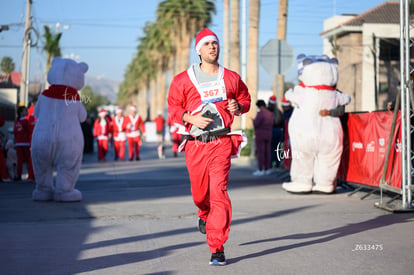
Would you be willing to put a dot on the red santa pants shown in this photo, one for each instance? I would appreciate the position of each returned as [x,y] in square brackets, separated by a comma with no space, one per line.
[263,153]
[102,148]
[119,149]
[24,155]
[133,147]
[3,170]
[208,166]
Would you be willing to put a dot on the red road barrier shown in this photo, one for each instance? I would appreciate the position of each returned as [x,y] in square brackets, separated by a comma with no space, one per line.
[366,138]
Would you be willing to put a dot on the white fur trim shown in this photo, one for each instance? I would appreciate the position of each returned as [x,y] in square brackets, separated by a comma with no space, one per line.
[204,40]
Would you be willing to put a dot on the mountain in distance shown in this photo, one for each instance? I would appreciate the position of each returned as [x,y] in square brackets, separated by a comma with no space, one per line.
[104,86]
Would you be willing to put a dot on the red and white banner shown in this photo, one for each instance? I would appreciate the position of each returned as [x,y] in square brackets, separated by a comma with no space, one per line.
[366,138]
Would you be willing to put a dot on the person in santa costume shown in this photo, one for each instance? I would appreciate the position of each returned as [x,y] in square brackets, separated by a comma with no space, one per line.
[286,154]
[134,129]
[176,138]
[57,141]
[22,136]
[159,128]
[204,99]
[102,133]
[4,176]
[119,135]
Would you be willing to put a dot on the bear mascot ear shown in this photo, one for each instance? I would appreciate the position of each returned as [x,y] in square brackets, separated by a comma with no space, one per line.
[84,67]
[307,61]
[299,60]
[334,61]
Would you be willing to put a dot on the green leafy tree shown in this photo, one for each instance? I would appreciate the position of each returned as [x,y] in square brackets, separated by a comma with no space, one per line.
[91,100]
[7,65]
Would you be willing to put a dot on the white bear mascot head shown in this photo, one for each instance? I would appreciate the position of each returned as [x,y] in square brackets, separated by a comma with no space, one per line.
[67,72]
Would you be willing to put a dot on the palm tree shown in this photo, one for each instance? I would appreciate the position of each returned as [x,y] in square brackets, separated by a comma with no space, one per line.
[51,46]
[164,47]
[160,45]
[188,17]
[252,58]
[145,72]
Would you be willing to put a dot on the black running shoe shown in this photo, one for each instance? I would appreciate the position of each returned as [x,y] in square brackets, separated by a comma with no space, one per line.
[202,226]
[218,258]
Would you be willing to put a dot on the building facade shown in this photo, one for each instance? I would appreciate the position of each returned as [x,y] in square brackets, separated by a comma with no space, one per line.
[367,47]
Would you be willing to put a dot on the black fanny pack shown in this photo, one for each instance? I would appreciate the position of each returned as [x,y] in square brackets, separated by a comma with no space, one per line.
[209,136]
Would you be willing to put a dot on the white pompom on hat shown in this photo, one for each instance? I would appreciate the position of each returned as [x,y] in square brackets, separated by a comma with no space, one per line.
[204,36]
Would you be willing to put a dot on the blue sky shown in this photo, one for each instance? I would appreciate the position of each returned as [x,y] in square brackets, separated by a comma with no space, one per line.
[105,33]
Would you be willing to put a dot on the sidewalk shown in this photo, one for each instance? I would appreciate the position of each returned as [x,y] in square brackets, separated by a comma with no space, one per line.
[139,218]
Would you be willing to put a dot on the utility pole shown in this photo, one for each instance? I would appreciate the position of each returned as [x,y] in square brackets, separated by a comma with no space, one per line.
[24,84]
[278,84]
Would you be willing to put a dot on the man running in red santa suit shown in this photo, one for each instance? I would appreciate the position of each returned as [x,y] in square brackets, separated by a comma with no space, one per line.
[205,98]
[102,130]
[119,128]
[134,128]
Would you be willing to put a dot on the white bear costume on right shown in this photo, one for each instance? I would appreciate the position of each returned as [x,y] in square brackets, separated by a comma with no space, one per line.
[316,141]
[57,141]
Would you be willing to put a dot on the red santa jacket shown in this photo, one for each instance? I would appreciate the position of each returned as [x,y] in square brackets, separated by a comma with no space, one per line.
[119,128]
[159,123]
[22,132]
[101,128]
[134,126]
[32,123]
[184,97]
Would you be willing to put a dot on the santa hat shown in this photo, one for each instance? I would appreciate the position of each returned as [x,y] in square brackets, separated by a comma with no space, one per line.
[285,102]
[118,110]
[204,36]
[133,108]
[102,112]
[272,99]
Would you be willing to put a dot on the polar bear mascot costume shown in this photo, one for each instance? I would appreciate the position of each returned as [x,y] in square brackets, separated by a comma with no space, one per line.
[316,140]
[57,141]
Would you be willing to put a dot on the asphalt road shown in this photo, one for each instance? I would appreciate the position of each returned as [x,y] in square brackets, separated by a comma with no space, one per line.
[138,218]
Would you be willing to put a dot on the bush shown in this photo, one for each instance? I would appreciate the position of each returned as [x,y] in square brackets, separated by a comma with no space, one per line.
[246,151]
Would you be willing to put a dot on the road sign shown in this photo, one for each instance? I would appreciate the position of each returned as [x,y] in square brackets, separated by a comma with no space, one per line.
[276,56]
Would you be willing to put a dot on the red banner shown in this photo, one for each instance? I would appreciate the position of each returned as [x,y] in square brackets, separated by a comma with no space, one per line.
[366,138]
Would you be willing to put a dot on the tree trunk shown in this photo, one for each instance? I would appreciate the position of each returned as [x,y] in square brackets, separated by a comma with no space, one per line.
[235,47]
[161,85]
[153,98]
[225,48]
[235,36]
[252,59]
[141,101]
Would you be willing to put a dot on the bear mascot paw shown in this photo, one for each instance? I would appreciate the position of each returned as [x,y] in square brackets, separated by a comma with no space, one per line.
[57,141]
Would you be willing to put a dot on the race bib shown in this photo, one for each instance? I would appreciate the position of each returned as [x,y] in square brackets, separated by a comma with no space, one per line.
[211,92]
